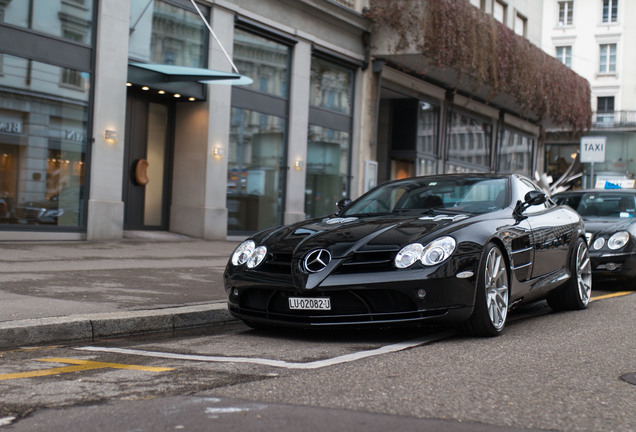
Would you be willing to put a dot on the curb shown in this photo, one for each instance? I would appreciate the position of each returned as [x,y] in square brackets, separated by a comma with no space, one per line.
[75,328]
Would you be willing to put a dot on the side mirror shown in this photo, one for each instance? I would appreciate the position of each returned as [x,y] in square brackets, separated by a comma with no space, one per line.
[343,203]
[532,198]
[535,197]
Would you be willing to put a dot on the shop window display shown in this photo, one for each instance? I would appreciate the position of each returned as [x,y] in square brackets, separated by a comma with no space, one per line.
[42,145]
[255,176]
[327,167]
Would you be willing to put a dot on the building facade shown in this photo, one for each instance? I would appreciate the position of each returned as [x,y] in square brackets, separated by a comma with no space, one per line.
[122,115]
[594,38]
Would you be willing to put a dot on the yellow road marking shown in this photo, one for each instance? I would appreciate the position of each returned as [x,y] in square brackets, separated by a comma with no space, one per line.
[616,294]
[81,365]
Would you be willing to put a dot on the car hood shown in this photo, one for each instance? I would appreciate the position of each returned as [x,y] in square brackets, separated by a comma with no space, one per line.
[608,225]
[342,235]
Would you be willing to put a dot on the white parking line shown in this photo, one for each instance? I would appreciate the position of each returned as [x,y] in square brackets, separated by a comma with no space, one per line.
[280,363]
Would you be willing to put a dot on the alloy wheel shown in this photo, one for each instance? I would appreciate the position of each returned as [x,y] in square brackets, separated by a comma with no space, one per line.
[583,273]
[496,281]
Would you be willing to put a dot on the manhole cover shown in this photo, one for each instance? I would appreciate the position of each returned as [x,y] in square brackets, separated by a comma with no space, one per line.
[630,378]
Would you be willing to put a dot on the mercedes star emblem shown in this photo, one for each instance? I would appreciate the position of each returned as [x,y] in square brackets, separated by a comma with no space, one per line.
[317,260]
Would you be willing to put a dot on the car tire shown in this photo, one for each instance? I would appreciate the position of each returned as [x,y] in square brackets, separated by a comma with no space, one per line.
[575,293]
[492,296]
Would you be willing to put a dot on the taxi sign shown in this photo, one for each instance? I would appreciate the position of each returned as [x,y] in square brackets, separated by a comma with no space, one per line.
[593,149]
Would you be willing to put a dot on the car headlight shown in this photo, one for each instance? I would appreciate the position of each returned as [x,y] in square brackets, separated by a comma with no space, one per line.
[408,255]
[598,243]
[434,253]
[438,251]
[618,240]
[257,257]
[243,252]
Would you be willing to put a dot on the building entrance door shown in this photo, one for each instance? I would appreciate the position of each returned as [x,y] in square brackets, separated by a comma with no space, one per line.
[147,156]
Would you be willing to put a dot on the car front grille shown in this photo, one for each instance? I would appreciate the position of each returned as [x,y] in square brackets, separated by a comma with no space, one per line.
[368,261]
[279,263]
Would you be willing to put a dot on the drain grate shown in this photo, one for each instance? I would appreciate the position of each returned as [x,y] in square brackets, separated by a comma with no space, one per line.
[629,378]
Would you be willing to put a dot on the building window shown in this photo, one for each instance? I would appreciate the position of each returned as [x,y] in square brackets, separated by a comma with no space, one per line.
[427,138]
[264,60]
[607,62]
[255,170]
[565,13]
[605,109]
[327,182]
[468,144]
[610,11]
[477,3]
[329,136]
[515,152]
[257,147]
[166,34]
[605,104]
[52,17]
[499,11]
[331,86]
[43,142]
[564,54]
[520,25]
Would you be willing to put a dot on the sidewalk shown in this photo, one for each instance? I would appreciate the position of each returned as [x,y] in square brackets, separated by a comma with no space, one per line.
[52,292]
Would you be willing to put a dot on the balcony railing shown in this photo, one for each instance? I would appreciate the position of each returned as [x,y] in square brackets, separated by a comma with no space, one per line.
[616,119]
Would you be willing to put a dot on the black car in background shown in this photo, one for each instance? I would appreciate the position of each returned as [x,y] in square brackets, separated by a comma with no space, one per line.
[610,224]
[459,249]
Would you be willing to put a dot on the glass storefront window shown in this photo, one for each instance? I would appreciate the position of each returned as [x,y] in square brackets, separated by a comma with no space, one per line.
[515,152]
[255,171]
[42,144]
[620,159]
[427,167]
[263,60]
[67,19]
[427,128]
[166,34]
[331,86]
[469,144]
[327,169]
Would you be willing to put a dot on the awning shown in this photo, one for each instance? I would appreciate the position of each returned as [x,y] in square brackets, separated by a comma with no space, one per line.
[187,81]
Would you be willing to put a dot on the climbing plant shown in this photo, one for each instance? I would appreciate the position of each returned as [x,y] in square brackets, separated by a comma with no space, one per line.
[454,34]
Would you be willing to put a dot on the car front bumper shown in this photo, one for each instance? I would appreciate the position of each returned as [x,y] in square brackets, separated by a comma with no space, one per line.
[409,296]
[608,267]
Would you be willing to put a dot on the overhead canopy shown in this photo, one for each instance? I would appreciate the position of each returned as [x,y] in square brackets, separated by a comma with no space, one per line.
[187,81]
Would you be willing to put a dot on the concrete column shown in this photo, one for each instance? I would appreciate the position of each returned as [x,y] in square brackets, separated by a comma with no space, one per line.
[200,179]
[105,206]
[364,141]
[297,142]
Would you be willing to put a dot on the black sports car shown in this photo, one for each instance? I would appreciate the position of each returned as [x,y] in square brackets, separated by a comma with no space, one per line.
[610,224]
[453,249]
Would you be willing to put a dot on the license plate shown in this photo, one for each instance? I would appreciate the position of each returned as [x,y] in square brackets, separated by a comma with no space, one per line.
[306,303]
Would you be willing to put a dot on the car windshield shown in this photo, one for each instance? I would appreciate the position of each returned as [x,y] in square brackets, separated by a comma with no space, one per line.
[600,204]
[430,194]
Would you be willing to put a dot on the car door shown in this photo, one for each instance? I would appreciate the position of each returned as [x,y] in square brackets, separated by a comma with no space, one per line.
[552,232]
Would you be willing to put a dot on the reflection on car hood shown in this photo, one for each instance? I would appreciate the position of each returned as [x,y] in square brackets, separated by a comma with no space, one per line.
[343,235]
[608,225]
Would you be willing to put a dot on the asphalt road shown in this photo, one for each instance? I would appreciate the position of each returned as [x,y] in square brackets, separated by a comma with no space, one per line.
[548,371]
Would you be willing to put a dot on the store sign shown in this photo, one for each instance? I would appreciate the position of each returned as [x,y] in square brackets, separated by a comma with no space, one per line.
[608,182]
[11,127]
[73,135]
[593,149]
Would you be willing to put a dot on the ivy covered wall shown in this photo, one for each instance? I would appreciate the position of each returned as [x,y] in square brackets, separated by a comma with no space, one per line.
[474,54]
